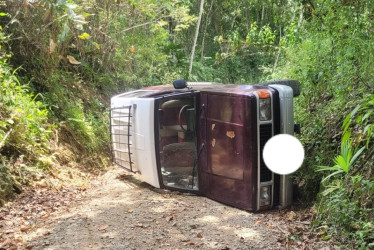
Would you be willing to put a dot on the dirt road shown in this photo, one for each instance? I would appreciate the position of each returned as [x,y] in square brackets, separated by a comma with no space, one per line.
[121,212]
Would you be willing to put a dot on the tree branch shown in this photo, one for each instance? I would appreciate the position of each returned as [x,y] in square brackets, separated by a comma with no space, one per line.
[143,24]
[2,143]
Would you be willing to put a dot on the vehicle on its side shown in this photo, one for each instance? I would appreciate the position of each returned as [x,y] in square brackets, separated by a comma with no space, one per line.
[206,138]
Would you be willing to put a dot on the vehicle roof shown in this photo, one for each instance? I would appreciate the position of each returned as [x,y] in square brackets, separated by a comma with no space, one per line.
[205,87]
[211,88]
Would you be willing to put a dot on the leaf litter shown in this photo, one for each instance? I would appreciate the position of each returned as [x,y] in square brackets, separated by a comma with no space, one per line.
[124,213]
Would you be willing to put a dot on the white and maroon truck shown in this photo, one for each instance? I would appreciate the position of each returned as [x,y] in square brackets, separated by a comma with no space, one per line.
[206,138]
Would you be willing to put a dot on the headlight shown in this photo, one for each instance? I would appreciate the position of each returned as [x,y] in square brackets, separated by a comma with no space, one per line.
[265,109]
[265,196]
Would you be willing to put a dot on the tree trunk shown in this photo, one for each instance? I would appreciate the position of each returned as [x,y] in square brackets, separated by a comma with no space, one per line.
[301,16]
[206,26]
[196,35]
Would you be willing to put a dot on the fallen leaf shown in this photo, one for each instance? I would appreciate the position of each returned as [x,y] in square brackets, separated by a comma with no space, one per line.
[199,235]
[46,233]
[101,228]
[25,228]
[18,238]
[129,211]
[303,247]
[5,244]
[270,225]
[47,214]
[325,248]
[72,60]
[291,215]
[281,229]
[52,46]
[314,210]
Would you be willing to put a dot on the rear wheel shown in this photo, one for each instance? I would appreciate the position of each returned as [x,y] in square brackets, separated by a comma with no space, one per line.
[294,84]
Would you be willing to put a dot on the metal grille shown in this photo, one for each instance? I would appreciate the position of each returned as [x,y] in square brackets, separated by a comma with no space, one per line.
[266,132]
[120,134]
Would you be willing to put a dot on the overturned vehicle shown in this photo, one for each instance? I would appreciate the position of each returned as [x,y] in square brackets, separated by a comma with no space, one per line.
[206,138]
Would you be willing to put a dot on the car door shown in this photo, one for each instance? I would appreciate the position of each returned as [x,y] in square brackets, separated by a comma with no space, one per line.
[228,148]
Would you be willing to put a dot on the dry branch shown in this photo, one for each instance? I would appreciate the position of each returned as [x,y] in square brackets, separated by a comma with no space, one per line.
[5,137]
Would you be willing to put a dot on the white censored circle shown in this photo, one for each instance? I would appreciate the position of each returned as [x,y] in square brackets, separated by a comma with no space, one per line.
[283,154]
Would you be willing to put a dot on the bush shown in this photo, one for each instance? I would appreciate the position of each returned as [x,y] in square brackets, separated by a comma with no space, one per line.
[6,183]
[348,211]
[24,128]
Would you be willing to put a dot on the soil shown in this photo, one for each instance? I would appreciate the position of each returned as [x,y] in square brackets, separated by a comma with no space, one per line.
[119,211]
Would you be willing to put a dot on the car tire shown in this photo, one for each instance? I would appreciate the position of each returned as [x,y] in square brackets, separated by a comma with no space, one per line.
[294,84]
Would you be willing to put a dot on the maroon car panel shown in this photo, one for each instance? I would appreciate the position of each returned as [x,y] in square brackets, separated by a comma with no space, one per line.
[228,161]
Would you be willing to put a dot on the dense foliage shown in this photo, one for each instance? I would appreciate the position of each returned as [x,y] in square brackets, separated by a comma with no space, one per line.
[332,58]
[24,128]
[70,56]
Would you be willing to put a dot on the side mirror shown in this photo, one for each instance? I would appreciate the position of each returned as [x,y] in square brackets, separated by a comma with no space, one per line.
[180,84]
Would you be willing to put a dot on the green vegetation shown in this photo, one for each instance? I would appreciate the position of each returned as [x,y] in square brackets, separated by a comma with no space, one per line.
[62,60]
[332,58]
[24,128]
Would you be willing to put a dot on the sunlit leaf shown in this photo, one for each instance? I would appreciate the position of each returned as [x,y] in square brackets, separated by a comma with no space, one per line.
[79,27]
[366,115]
[96,45]
[341,162]
[357,154]
[72,5]
[367,127]
[84,36]
[340,171]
